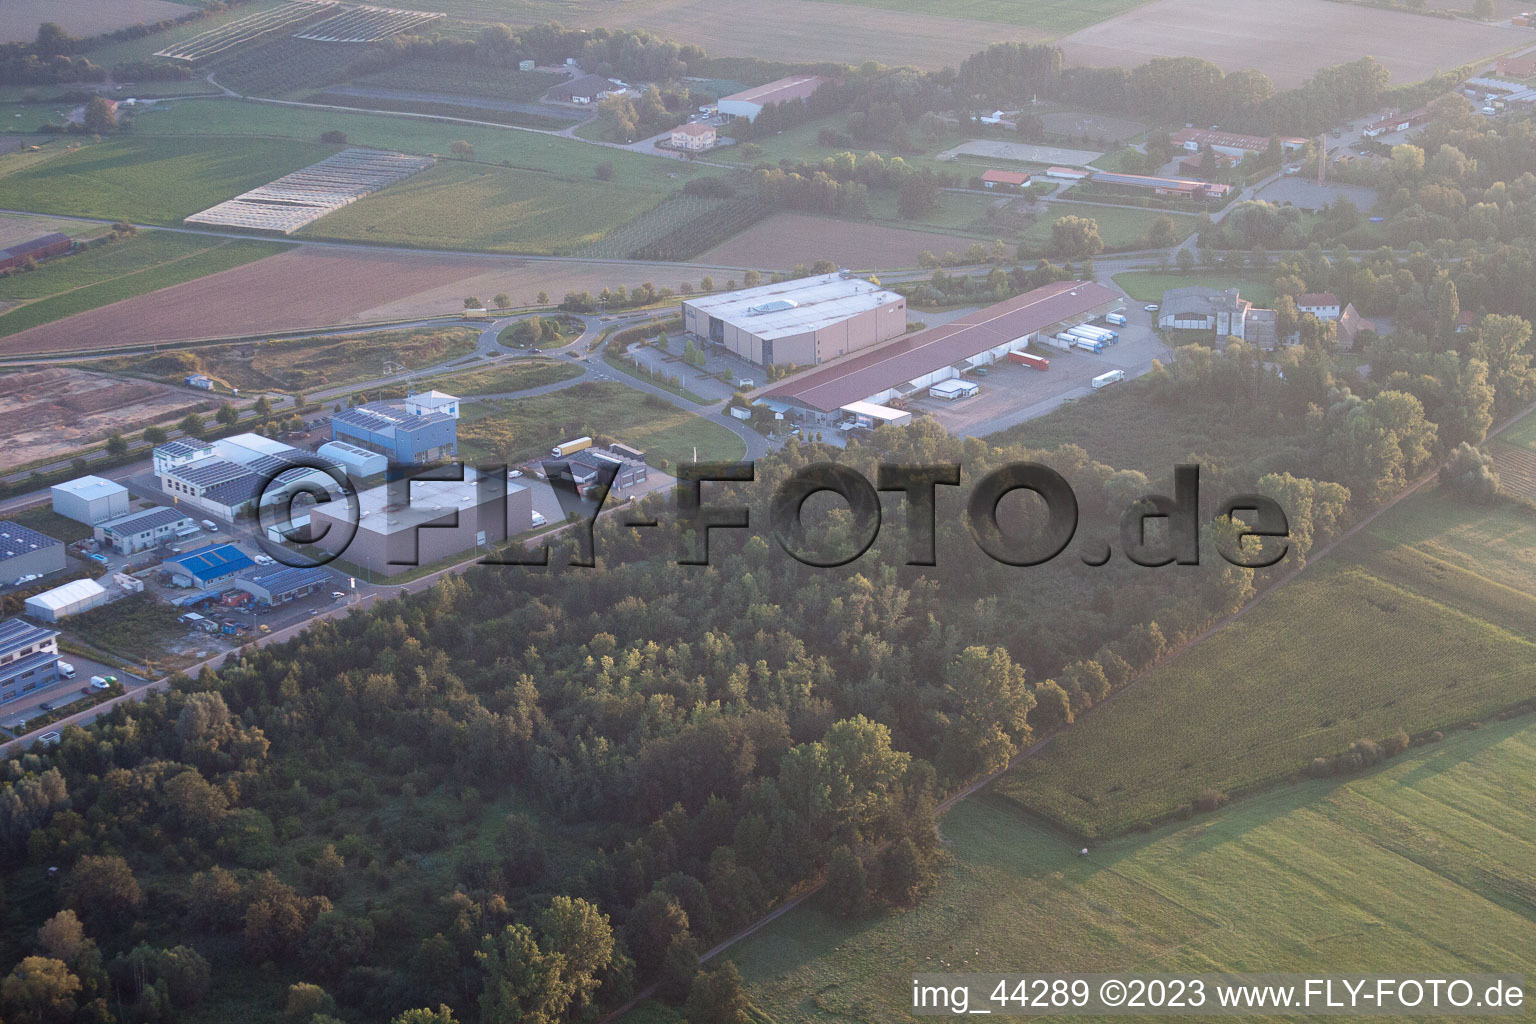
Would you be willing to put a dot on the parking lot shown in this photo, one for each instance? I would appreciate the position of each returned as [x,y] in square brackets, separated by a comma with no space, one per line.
[63,693]
[1012,393]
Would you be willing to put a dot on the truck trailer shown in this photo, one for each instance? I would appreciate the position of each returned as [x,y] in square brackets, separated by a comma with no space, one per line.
[1090,345]
[1096,333]
[1104,380]
[1118,319]
[1038,362]
[560,451]
[1064,341]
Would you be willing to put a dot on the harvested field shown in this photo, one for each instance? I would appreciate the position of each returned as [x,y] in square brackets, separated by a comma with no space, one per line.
[1516,466]
[786,239]
[1023,152]
[52,412]
[19,18]
[315,288]
[792,30]
[1287,41]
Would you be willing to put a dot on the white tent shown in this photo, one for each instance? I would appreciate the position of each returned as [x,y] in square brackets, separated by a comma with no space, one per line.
[69,599]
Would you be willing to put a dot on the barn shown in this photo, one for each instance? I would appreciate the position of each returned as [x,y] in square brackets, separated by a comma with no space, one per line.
[750,102]
[40,248]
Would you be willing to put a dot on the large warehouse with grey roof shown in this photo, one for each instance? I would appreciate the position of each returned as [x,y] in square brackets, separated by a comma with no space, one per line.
[801,322]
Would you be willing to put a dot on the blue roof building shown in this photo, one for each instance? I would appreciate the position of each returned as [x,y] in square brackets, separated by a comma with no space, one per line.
[423,428]
[211,567]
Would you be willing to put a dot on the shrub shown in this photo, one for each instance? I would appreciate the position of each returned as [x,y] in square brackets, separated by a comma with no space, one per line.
[1210,800]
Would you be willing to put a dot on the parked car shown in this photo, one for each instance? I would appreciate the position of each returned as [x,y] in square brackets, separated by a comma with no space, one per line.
[86,691]
[45,706]
[514,474]
[1150,307]
[48,739]
[538,519]
[263,559]
[337,595]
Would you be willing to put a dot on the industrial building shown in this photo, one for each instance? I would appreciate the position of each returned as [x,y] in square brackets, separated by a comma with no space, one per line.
[358,462]
[750,102]
[1230,144]
[70,599]
[1175,188]
[442,518]
[801,322]
[212,567]
[586,89]
[226,477]
[1225,314]
[36,249]
[585,467]
[25,552]
[915,363]
[140,531]
[279,585]
[90,500]
[422,428]
[29,658]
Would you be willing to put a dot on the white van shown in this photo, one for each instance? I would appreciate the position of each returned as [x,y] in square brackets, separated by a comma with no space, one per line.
[210,526]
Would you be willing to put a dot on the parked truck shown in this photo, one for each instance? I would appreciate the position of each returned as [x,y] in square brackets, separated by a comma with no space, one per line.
[560,451]
[1038,362]
[1118,319]
[1090,345]
[1104,380]
[1096,333]
[1066,341]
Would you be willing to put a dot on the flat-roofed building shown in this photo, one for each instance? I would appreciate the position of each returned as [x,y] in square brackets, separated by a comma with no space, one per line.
[1226,314]
[139,531]
[750,102]
[29,658]
[90,499]
[801,322]
[25,552]
[1231,144]
[281,584]
[211,567]
[408,523]
[918,361]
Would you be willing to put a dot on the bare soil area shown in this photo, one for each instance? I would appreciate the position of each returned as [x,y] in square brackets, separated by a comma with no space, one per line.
[54,411]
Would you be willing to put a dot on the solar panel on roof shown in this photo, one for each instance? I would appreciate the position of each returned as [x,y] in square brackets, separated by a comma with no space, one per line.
[16,539]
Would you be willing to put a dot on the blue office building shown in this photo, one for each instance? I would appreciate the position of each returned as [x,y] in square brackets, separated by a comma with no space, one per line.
[29,658]
[423,428]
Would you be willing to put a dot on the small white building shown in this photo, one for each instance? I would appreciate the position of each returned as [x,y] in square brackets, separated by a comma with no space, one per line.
[69,599]
[954,388]
[1323,305]
[869,415]
[359,462]
[90,500]
[425,403]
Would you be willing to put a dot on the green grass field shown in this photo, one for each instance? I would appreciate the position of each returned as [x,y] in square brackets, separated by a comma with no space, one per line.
[1121,227]
[1149,285]
[1425,620]
[519,429]
[120,270]
[1425,861]
[149,180]
[514,376]
[472,206]
[530,150]
[1124,427]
